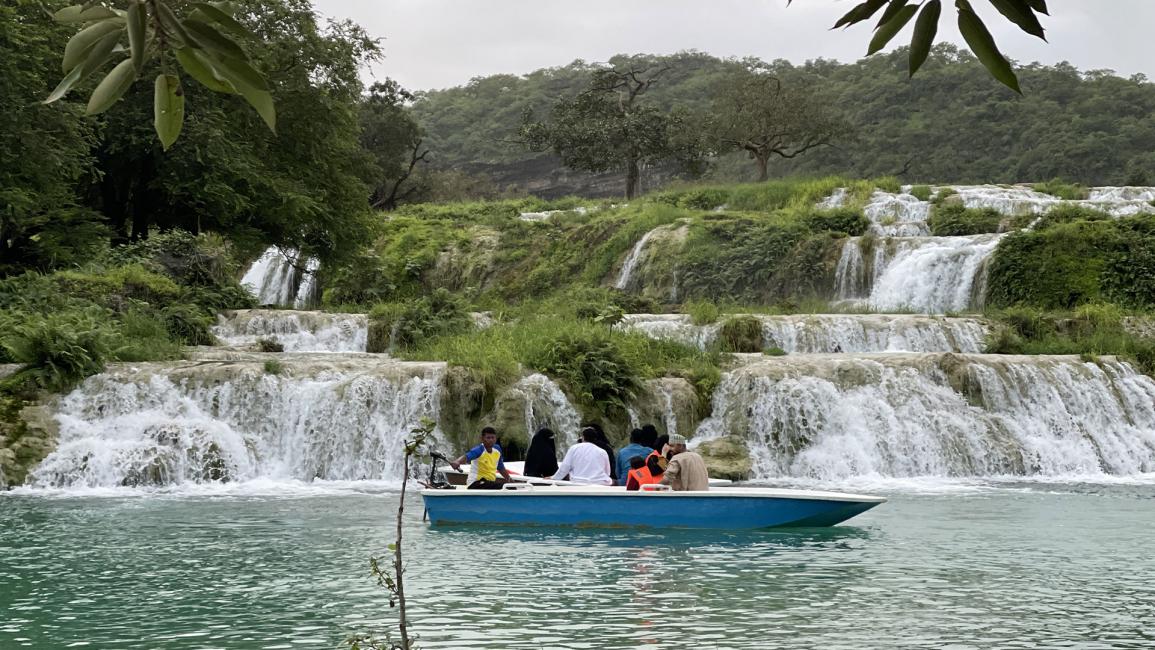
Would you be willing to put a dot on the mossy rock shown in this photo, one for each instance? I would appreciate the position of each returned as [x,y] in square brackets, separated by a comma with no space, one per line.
[463,403]
[727,457]
[28,433]
[666,401]
[741,334]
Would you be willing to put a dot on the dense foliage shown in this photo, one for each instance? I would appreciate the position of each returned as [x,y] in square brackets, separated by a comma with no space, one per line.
[949,123]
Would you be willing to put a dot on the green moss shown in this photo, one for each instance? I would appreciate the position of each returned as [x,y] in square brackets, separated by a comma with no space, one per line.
[1090,331]
[401,326]
[1061,213]
[273,367]
[741,334]
[953,219]
[849,221]
[702,312]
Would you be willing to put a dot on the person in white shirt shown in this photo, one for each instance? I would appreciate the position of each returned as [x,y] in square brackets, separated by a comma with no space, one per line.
[585,463]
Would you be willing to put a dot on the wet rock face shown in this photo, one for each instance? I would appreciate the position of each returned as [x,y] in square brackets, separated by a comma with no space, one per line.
[727,457]
[670,403]
[28,434]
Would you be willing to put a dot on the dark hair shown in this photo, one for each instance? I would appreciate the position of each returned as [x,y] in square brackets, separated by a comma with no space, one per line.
[488,430]
[637,462]
[637,436]
[649,435]
[655,465]
[590,434]
[662,441]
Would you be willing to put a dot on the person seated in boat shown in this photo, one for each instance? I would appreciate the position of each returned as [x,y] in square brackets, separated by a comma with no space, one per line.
[661,448]
[488,461]
[600,439]
[636,448]
[686,471]
[585,463]
[541,458]
[641,473]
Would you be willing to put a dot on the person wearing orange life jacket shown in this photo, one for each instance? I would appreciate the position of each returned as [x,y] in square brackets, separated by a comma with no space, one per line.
[643,471]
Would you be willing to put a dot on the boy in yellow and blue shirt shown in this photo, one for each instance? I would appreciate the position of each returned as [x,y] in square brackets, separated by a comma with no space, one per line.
[489,459]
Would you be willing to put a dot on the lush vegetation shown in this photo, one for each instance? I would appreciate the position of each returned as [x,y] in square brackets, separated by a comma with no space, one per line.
[948,219]
[1089,127]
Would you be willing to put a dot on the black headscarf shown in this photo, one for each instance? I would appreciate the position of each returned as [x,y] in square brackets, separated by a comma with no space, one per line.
[541,458]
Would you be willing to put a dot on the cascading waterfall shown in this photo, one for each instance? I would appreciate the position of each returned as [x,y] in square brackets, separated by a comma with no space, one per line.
[627,272]
[831,417]
[547,406]
[931,275]
[325,416]
[297,331]
[278,278]
[829,333]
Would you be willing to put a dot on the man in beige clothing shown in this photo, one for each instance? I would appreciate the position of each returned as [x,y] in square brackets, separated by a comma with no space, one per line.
[686,471]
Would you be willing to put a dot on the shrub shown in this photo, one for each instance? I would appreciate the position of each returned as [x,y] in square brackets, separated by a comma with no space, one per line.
[1061,213]
[142,336]
[274,367]
[1063,190]
[840,220]
[702,199]
[954,219]
[59,350]
[1057,268]
[188,324]
[702,312]
[774,352]
[591,367]
[943,194]
[921,192]
[741,334]
[404,325]
[196,260]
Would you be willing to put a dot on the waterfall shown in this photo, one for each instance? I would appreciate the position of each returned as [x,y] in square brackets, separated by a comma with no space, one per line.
[623,281]
[297,331]
[547,406]
[829,333]
[327,417]
[830,417]
[850,275]
[897,215]
[276,278]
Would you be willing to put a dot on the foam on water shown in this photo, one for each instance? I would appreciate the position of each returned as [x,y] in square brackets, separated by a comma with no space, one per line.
[933,275]
[297,331]
[834,417]
[829,333]
[206,421]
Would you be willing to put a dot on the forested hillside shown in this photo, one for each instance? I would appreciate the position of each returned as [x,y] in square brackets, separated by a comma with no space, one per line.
[948,123]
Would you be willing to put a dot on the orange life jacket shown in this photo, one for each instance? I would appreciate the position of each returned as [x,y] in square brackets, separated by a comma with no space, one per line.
[643,477]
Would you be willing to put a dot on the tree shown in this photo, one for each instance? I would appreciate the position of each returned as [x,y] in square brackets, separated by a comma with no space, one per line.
[756,112]
[304,187]
[609,126]
[44,151]
[200,43]
[394,139]
[1023,13]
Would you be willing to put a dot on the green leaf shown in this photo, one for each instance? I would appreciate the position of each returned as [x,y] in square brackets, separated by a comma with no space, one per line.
[79,14]
[137,33]
[1039,6]
[888,31]
[172,25]
[83,41]
[859,13]
[99,54]
[239,72]
[925,29]
[199,67]
[111,88]
[262,101]
[64,86]
[980,42]
[168,109]
[891,11]
[1019,13]
[219,16]
[209,38]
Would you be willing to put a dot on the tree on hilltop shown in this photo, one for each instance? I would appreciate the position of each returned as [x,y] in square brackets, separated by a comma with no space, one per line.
[757,112]
[609,126]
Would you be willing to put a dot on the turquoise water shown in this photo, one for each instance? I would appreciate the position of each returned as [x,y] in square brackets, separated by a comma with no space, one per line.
[958,566]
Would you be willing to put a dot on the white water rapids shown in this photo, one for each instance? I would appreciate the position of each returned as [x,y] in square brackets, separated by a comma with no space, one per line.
[323,416]
[831,417]
[297,331]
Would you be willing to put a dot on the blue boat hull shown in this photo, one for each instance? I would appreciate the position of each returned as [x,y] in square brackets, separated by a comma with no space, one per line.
[633,509]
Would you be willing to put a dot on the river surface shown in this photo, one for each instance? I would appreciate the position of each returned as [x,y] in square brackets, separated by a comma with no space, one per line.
[942,565]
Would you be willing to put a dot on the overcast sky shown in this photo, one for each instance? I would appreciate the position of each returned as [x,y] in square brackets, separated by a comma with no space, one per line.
[441,43]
